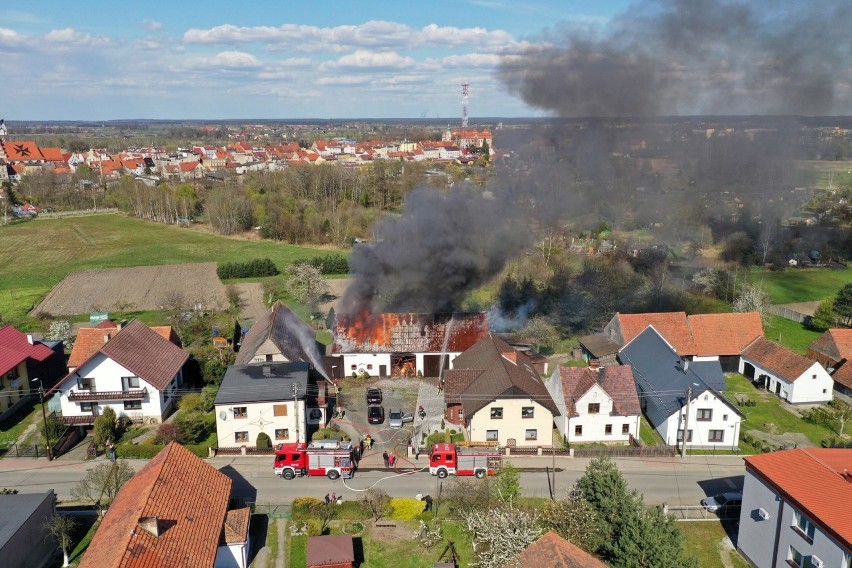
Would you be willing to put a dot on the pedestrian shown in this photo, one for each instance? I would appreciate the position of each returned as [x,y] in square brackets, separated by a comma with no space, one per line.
[417,454]
[361,445]
[385,456]
[333,498]
[339,500]
[327,499]
[392,459]
[428,499]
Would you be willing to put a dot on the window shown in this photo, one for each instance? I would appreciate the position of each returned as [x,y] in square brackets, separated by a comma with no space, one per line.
[608,429]
[354,367]
[491,435]
[578,430]
[496,413]
[625,428]
[716,436]
[278,410]
[282,434]
[240,437]
[369,366]
[460,414]
[527,412]
[813,376]
[128,383]
[87,406]
[804,527]
[132,405]
[268,357]
[240,412]
[795,558]
[688,435]
[705,414]
[594,407]
[531,435]
[86,383]
[724,418]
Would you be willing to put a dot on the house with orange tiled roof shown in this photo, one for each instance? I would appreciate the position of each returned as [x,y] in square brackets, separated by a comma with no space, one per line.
[783,372]
[833,350]
[175,511]
[553,551]
[596,404]
[795,509]
[134,370]
[724,336]
[673,326]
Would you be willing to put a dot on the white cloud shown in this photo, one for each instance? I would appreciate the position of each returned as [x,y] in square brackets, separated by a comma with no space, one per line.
[364,59]
[152,25]
[148,44]
[71,37]
[226,59]
[471,60]
[344,80]
[10,38]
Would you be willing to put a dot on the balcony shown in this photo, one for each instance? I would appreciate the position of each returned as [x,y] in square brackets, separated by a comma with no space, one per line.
[86,420]
[94,396]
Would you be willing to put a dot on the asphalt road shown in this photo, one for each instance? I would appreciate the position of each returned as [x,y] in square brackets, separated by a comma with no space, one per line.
[661,480]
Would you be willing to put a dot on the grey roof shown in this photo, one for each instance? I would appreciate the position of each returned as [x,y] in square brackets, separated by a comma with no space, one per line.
[16,510]
[599,345]
[288,332]
[263,382]
[662,377]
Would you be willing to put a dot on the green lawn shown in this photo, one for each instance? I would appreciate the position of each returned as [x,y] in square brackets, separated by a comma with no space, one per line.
[703,540]
[36,255]
[12,428]
[648,435]
[789,333]
[769,411]
[801,285]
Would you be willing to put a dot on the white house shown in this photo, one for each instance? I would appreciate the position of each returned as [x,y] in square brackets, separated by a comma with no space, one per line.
[275,399]
[596,404]
[677,394]
[494,393]
[795,509]
[135,372]
[792,377]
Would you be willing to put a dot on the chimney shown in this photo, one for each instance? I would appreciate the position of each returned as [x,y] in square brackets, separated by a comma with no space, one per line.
[30,338]
[122,324]
[685,365]
[106,337]
[594,364]
[150,524]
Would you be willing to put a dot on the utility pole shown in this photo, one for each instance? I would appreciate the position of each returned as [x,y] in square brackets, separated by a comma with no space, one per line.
[296,408]
[686,422]
[44,417]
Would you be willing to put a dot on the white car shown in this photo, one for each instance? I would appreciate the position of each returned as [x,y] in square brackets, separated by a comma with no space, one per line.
[395,418]
[723,502]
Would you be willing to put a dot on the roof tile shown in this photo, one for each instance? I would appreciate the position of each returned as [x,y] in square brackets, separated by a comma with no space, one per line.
[553,551]
[671,325]
[724,334]
[777,358]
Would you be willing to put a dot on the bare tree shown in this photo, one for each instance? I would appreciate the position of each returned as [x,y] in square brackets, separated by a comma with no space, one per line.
[574,519]
[551,243]
[306,285]
[500,534]
[62,529]
[766,236]
[377,502]
[324,513]
[101,484]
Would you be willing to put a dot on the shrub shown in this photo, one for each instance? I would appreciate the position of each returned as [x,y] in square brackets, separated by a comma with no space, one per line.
[263,441]
[329,264]
[191,403]
[194,427]
[406,508]
[137,451]
[167,432]
[302,506]
[329,434]
[248,269]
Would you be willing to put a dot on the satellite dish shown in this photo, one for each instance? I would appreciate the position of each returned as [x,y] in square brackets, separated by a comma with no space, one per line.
[223,415]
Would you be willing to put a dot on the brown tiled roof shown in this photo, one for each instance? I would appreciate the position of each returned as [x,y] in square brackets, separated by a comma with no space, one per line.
[456,381]
[89,340]
[411,333]
[777,358]
[617,381]
[144,352]
[553,551]
[188,497]
[168,333]
[843,374]
[235,528]
[815,480]
[836,344]
[330,549]
[671,325]
[724,334]
[506,373]
[285,329]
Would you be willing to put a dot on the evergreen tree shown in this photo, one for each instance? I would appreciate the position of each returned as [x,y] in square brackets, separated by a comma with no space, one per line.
[647,538]
[843,304]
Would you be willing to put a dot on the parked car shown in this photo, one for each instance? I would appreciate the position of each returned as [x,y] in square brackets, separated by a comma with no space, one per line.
[374,395]
[376,414]
[723,502]
[395,418]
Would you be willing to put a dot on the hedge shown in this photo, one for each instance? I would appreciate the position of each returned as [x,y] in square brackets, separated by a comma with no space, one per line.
[249,269]
[148,451]
[406,508]
[335,263]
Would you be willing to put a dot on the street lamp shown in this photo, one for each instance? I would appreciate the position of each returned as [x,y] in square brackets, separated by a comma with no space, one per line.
[44,416]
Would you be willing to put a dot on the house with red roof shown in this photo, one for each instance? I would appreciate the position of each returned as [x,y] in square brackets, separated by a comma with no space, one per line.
[596,404]
[175,511]
[795,509]
[135,371]
[553,551]
[22,361]
[781,371]
[833,350]
[330,551]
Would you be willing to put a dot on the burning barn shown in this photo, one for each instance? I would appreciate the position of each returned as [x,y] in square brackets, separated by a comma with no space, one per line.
[402,344]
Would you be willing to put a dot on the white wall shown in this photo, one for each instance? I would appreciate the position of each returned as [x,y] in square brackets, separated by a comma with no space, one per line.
[723,418]
[260,418]
[368,361]
[512,425]
[553,384]
[814,385]
[594,425]
[232,556]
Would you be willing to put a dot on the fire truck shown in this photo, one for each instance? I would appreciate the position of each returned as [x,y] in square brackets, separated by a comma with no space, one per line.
[331,458]
[446,459]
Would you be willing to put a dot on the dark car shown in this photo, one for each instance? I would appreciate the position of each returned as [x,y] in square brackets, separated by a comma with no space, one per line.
[376,414]
[723,502]
[374,395]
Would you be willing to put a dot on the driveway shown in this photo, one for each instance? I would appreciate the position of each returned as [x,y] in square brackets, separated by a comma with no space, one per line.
[399,393]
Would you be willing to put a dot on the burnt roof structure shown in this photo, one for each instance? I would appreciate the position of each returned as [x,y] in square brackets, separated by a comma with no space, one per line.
[407,332]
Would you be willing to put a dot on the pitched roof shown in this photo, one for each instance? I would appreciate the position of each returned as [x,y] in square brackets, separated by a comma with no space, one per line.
[16,348]
[599,345]
[21,151]
[190,520]
[816,480]
[506,372]
[617,381]
[835,344]
[88,342]
[330,549]
[671,325]
[843,374]
[456,381]
[236,525]
[288,332]
[415,333]
[724,334]
[262,382]
[553,551]
[777,358]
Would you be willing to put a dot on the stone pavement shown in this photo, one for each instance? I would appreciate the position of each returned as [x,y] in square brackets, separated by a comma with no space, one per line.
[433,403]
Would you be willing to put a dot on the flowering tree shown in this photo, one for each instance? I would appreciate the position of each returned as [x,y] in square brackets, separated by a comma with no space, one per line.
[60,330]
[500,534]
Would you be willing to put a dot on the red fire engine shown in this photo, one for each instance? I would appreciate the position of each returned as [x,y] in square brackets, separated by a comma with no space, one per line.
[446,459]
[325,457]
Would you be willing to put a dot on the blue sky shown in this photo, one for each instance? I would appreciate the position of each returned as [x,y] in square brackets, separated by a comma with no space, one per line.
[102,60]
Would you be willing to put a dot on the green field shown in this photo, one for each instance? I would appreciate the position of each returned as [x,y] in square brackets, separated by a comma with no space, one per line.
[36,255]
[789,333]
[801,285]
[703,541]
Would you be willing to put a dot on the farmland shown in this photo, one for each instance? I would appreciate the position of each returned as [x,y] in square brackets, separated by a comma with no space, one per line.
[801,284]
[37,255]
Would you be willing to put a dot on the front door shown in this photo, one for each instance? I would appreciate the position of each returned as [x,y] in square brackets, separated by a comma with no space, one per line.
[383,370]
